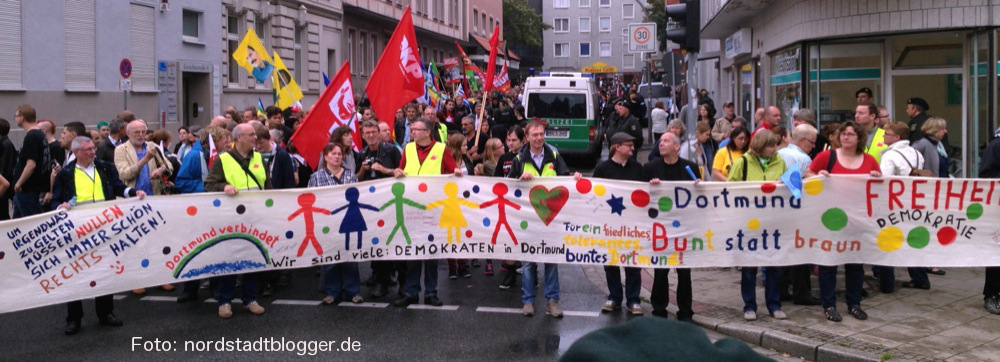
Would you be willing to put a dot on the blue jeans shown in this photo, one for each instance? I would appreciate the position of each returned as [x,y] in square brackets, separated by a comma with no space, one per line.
[529,280]
[633,284]
[854,275]
[341,277]
[26,204]
[772,288]
[887,277]
[430,271]
[226,287]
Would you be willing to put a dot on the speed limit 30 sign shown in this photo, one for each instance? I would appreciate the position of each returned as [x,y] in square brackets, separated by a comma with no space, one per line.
[642,37]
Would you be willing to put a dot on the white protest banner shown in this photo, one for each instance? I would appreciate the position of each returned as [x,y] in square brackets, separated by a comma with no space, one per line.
[109,247]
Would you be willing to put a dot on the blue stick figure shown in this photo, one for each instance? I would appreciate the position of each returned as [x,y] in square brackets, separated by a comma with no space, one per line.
[353,221]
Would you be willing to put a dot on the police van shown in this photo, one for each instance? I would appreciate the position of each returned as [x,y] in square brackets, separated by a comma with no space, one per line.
[568,102]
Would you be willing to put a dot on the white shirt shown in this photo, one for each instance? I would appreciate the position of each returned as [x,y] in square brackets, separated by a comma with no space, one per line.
[794,156]
[898,158]
[659,118]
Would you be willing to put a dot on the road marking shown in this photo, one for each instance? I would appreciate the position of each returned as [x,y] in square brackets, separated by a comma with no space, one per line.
[212,300]
[499,310]
[120,296]
[155,298]
[296,302]
[363,305]
[581,313]
[431,307]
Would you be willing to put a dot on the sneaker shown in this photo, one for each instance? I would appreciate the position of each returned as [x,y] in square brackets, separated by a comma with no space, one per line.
[610,306]
[357,299]
[528,310]
[992,304]
[636,309]
[225,311]
[254,308]
[489,270]
[405,301]
[476,263]
[465,273]
[452,274]
[433,301]
[553,309]
[750,315]
[778,314]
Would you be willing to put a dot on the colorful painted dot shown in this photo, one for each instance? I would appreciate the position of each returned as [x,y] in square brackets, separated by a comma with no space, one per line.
[834,219]
[216,202]
[640,198]
[2,254]
[166,250]
[371,189]
[191,210]
[93,284]
[754,224]
[676,223]
[422,187]
[889,239]
[468,233]
[768,187]
[583,186]
[374,241]
[947,235]
[524,224]
[814,187]
[241,209]
[599,190]
[974,211]
[289,234]
[475,189]
[517,193]
[144,263]
[653,213]
[269,202]
[918,238]
[430,237]
[665,204]
[326,229]
[381,223]
[466,194]
[486,221]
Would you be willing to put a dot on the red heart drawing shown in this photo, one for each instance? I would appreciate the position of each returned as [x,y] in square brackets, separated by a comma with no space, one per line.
[547,203]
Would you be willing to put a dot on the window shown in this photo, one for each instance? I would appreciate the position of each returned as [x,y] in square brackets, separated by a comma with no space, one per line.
[81,73]
[584,25]
[584,3]
[351,56]
[300,56]
[561,25]
[492,26]
[555,105]
[560,4]
[628,61]
[605,3]
[605,49]
[363,62]
[331,62]
[438,10]
[260,27]
[605,24]
[628,11]
[374,46]
[142,51]
[232,42]
[585,49]
[191,24]
[484,24]
[475,20]
[10,47]
[454,13]
[561,50]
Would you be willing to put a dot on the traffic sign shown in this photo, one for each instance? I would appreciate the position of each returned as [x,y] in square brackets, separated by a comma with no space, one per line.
[642,37]
[124,84]
[125,68]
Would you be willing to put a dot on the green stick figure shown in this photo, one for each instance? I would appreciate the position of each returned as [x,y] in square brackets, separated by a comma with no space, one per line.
[399,201]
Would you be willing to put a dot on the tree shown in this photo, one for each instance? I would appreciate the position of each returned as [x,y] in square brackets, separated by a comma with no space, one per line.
[655,12]
[521,24]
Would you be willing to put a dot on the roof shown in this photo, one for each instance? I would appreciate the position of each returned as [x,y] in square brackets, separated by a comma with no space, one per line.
[485,44]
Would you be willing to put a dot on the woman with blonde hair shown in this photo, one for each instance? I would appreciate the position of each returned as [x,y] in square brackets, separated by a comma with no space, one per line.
[932,148]
[494,149]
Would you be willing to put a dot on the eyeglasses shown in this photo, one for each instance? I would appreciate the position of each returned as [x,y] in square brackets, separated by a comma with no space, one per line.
[417,129]
[887,134]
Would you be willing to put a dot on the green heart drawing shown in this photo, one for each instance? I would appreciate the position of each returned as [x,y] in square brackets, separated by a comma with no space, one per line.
[548,203]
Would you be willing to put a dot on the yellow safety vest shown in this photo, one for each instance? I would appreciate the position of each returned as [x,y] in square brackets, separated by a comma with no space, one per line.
[87,189]
[431,164]
[442,132]
[876,145]
[238,178]
[548,169]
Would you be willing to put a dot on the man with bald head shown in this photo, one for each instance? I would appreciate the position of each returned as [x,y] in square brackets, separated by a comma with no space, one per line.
[219,121]
[771,118]
[141,164]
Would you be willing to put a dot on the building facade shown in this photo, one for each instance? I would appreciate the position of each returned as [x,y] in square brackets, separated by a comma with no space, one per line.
[817,54]
[585,32]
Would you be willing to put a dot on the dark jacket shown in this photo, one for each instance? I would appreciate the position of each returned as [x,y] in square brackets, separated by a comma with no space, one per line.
[989,164]
[549,156]
[916,123]
[106,150]
[64,188]
[387,155]
[629,125]
[8,159]
[281,171]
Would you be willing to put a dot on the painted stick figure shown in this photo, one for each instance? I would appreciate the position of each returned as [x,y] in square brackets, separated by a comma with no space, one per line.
[398,201]
[353,221]
[500,189]
[306,202]
[451,213]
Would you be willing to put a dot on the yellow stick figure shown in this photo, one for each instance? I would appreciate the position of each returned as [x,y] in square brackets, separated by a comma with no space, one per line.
[451,214]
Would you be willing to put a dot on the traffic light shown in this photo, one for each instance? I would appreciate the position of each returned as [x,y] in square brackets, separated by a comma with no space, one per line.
[688,16]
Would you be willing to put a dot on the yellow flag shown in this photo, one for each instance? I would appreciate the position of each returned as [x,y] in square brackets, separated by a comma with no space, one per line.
[284,85]
[252,56]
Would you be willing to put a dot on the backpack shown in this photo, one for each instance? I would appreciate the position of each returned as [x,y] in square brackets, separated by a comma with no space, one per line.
[915,172]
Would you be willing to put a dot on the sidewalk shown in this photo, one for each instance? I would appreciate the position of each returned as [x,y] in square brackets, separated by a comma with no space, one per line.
[947,322]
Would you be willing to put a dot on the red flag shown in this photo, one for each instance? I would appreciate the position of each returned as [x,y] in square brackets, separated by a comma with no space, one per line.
[334,108]
[398,77]
[491,67]
[502,81]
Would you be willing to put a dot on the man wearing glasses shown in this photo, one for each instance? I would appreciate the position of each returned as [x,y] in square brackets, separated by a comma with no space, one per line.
[883,118]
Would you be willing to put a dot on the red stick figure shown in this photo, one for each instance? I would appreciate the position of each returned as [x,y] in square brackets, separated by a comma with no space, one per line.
[500,189]
[307,200]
